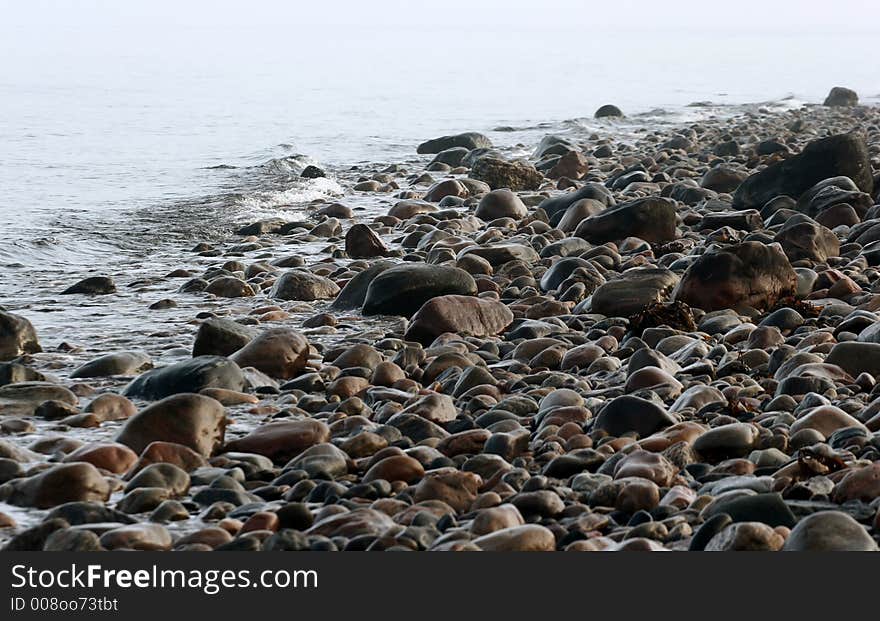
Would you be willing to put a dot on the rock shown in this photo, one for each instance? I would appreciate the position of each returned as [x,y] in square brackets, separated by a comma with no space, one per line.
[229,287]
[559,204]
[282,440]
[746,537]
[456,488]
[807,240]
[33,539]
[859,484]
[324,461]
[112,457]
[451,157]
[362,243]
[500,204]
[572,165]
[403,289]
[496,518]
[221,337]
[415,427]
[312,172]
[122,363]
[168,452]
[841,96]
[645,465]
[768,508]
[526,538]
[517,176]
[14,373]
[79,481]
[435,407]
[278,352]
[727,441]
[458,314]
[189,376]
[355,291]
[195,421]
[150,537]
[722,179]
[750,274]
[651,219]
[25,397]
[404,210]
[395,468]
[499,254]
[72,540]
[110,406]
[262,227]
[636,495]
[301,285]
[17,336]
[855,358]
[826,419]
[626,414]
[93,285]
[467,140]
[362,521]
[633,291]
[608,110]
[829,531]
[841,155]
[447,187]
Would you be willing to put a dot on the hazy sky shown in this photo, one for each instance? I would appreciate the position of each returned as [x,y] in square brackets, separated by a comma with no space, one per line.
[148,18]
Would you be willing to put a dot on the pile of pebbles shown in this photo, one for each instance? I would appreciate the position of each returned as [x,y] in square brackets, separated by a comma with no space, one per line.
[669,343]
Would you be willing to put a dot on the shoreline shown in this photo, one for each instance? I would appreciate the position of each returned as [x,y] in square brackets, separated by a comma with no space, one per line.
[525,430]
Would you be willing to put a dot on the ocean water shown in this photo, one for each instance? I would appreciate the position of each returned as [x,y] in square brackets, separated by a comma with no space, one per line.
[124,131]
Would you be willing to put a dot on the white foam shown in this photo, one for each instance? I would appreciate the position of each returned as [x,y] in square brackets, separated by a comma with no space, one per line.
[277,202]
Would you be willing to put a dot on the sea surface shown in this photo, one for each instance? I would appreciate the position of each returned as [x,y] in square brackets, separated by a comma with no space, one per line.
[124,137]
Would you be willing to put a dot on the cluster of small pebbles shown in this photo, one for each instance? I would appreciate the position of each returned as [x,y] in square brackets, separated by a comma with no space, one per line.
[667,343]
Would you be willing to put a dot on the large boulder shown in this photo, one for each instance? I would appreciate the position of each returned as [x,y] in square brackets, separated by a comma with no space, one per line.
[282,440]
[221,337]
[187,376]
[403,289]
[70,482]
[841,96]
[194,421]
[277,352]
[463,315]
[302,285]
[650,218]
[750,274]
[841,155]
[608,110]
[633,291]
[17,336]
[517,176]
[354,292]
[468,140]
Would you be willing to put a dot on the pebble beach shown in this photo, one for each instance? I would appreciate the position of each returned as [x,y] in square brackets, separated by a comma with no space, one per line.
[658,337]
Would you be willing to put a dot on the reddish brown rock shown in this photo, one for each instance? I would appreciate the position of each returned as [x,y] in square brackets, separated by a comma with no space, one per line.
[750,274]
[459,314]
[282,440]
